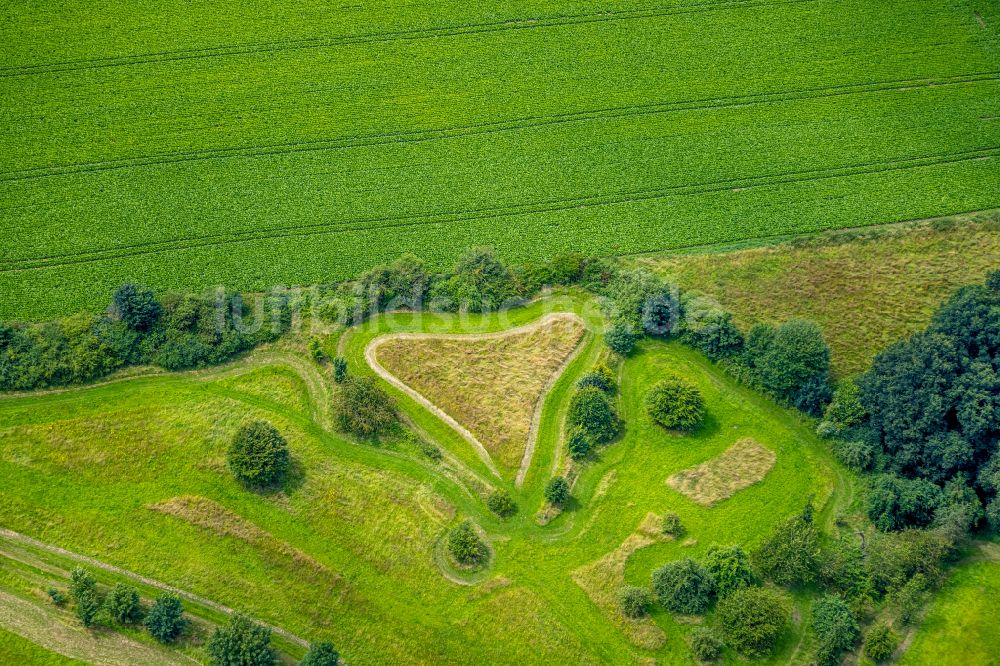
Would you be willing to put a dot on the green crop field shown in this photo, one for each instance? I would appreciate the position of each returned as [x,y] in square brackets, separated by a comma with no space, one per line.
[252,144]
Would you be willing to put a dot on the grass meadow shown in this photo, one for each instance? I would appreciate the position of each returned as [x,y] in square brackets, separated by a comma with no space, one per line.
[133,473]
[250,144]
[866,288]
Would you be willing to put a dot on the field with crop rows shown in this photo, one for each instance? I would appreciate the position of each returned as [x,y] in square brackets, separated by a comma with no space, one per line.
[253,143]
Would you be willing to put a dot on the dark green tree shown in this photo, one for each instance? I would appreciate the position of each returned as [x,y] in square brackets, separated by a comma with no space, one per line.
[339,369]
[321,653]
[165,619]
[123,604]
[895,503]
[591,411]
[601,377]
[578,444]
[672,525]
[466,546]
[502,504]
[836,629]
[683,586]
[675,404]
[752,620]
[792,361]
[557,491]
[136,306]
[258,455]
[241,642]
[620,339]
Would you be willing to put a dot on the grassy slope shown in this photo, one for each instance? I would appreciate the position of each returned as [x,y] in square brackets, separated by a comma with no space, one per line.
[282,149]
[961,625]
[81,465]
[865,288]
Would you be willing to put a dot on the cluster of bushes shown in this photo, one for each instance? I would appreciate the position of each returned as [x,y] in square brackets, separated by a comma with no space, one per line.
[241,642]
[924,420]
[164,620]
[181,331]
[479,282]
[592,417]
[791,361]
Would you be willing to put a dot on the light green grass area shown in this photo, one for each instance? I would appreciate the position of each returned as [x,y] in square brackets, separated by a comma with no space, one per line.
[866,288]
[251,144]
[346,550]
[17,650]
[961,627]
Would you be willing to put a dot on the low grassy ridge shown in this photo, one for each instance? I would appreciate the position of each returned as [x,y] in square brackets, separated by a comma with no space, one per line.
[866,288]
[250,144]
[133,473]
[490,383]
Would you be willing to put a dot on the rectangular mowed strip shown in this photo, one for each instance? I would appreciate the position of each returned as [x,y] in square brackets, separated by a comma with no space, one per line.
[222,147]
[740,466]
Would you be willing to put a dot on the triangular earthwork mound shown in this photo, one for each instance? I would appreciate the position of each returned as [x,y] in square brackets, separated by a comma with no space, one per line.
[490,384]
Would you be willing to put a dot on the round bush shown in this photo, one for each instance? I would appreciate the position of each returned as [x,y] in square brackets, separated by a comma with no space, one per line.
[752,620]
[258,455]
[241,642]
[705,646]
[880,643]
[591,411]
[466,546]
[620,339]
[634,601]
[675,404]
[502,504]
[321,653]
[165,620]
[672,524]
[683,586]
[557,490]
[123,604]
[836,629]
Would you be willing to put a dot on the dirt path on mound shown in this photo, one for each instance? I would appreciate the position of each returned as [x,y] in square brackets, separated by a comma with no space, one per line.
[370,357]
[19,538]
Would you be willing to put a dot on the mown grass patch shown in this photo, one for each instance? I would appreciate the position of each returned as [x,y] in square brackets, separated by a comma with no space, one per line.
[743,464]
[491,384]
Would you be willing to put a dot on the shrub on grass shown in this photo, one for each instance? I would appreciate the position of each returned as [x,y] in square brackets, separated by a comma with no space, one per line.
[880,643]
[634,601]
[502,504]
[165,620]
[578,445]
[364,409]
[81,581]
[672,525]
[136,306]
[730,567]
[683,586]
[836,629]
[241,642]
[123,604]
[557,491]
[316,350]
[620,339]
[258,455]
[752,620]
[705,645]
[465,545]
[339,369]
[57,597]
[675,404]
[321,653]
[601,377]
[591,411]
